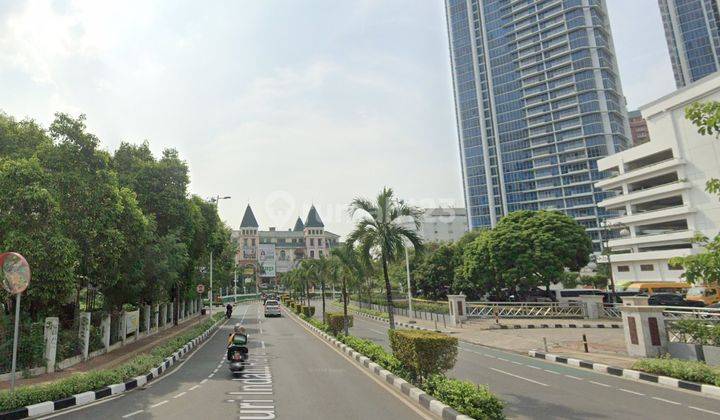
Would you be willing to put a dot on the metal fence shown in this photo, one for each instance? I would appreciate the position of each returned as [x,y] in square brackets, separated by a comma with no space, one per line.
[525,310]
[424,315]
[611,310]
[710,315]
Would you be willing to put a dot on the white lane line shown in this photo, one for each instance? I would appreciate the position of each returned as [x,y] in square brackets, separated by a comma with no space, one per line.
[516,363]
[504,360]
[519,377]
[535,367]
[551,371]
[132,414]
[262,344]
[704,410]
[194,388]
[211,375]
[180,394]
[376,331]
[203,381]
[630,392]
[600,383]
[574,377]
[667,401]
[159,404]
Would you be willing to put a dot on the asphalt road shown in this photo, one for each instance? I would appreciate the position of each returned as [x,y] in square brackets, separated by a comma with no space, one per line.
[533,388]
[294,375]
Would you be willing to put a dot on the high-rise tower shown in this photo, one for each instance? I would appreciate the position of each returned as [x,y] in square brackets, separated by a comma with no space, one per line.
[538,100]
[692,32]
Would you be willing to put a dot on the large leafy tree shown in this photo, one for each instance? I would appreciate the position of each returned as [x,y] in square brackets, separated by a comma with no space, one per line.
[478,271]
[379,231]
[351,271]
[435,273]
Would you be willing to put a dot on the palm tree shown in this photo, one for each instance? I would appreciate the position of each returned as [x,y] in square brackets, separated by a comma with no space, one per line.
[348,267]
[379,231]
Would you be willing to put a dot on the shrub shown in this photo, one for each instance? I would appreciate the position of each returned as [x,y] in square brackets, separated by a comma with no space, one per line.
[377,354]
[316,323]
[681,369]
[335,322]
[466,397]
[308,311]
[696,331]
[424,353]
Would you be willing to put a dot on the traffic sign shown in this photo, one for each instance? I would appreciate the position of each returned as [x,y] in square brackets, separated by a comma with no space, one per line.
[200,288]
[15,272]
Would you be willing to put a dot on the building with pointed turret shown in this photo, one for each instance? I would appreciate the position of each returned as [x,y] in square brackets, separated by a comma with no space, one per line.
[264,253]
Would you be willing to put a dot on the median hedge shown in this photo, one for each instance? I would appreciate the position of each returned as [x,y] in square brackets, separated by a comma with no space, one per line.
[308,310]
[424,353]
[334,320]
[687,370]
[90,381]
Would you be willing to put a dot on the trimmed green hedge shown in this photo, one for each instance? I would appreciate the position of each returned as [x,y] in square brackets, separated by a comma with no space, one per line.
[466,397]
[90,381]
[335,322]
[424,353]
[687,370]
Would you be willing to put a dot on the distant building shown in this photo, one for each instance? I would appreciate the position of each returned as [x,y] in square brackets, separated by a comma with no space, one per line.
[659,189]
[638,128]
[266,253]
[442,224]
[692,32]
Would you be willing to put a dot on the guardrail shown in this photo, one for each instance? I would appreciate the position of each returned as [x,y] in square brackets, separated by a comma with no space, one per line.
[525,310]
[611,310]
[683,312]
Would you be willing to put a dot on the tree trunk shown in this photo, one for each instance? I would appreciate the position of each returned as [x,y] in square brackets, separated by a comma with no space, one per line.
[322,290]
[345,303]
[388,293]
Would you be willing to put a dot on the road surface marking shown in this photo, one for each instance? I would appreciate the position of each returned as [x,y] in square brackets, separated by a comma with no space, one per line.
[194,388]
[519,377]
[180,394]
[504,360]
[132,414]
[159,404]
[262,344]
[574,377]
[203,381]
[516,363]
[535,367]
[600,383]
[376,331]
[704,410]
[211,375]
[667,401]
[630,392]
[551,371]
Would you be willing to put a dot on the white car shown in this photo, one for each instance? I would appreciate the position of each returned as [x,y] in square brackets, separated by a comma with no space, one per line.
[272,308]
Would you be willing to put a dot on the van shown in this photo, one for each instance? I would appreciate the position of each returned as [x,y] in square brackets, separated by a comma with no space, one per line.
[573,295]
[707,294]
[648,288]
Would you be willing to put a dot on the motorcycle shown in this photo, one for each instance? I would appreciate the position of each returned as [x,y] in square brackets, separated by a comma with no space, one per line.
[237,353]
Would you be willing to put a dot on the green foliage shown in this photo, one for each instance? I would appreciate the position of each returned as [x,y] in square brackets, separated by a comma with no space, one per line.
[703,267]
[436,272]
[706,117]
[424,353]
[681,369]
[97,379]
[377,354]
[336,322]
[696,331]
[308,311]
[466,397]
[30,347]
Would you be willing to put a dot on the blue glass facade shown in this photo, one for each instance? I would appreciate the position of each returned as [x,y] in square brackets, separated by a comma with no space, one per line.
[693,37]
[538,101]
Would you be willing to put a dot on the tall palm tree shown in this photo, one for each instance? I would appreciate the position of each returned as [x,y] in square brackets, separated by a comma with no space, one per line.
[348,268]
[379,232]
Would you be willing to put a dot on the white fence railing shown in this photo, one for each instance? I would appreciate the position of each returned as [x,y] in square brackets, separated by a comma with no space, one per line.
[525,310]
[677,313]
[611,310]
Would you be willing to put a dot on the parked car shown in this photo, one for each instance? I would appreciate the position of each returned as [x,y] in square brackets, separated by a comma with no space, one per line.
[573,295]
[672,299]
[272,308]
[650,288]
[707,294]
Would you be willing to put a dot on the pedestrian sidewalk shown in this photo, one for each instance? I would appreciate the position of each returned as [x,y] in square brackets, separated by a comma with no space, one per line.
[605,345]
[112,359]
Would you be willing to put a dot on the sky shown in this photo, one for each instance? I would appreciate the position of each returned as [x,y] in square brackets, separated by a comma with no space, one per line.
[277,103]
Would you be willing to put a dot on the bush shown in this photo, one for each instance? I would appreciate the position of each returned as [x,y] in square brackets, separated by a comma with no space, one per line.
[376,353]
[424,353]
[316,323]
[466,397]
[75,384]
[308,311]
[696,331]
[335,322]
[681,369]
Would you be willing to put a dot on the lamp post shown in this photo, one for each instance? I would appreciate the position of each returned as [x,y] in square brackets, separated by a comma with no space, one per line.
[215,200]
[409,291]
[605,248]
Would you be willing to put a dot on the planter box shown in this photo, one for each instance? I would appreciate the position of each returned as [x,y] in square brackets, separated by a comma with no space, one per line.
[685,351]
[712,355]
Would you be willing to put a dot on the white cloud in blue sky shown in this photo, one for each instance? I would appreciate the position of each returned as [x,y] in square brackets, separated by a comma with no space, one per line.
[274,101]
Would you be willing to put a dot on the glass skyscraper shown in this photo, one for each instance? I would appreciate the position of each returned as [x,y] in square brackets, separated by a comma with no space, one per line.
[693,37]
[538,101]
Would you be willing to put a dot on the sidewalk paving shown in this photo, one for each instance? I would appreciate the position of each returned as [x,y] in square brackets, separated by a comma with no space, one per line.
[605,345]
[108,360]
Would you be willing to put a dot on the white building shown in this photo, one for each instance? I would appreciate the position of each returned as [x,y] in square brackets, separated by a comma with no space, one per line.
[442,224]
[660,188]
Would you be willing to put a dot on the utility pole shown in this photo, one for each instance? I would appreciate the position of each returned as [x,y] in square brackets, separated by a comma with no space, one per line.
[215,200]
[409,291]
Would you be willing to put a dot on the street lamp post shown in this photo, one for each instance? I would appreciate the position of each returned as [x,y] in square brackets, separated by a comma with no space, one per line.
[605,249]
[409,291]
[235,283]
[215,200]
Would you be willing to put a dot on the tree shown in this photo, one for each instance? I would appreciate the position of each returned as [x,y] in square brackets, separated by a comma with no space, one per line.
[436,272]
[351,270]
[706,116]
[379,230]
[703,267]
[478,272]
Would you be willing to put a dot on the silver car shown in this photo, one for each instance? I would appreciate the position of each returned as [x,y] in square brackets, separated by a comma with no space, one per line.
[272,308]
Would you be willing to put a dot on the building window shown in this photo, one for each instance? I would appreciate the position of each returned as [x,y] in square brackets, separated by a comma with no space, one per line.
[647,267]
[623,268]
[312,241]
[312,254]
[252,242]
[675,267]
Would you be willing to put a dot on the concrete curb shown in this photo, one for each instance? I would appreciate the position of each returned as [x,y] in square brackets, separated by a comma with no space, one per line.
[416,395]
[710,390]
[541,326]
[49,407]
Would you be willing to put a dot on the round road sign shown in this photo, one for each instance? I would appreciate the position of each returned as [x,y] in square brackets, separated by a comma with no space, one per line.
[200,288]
[15,272]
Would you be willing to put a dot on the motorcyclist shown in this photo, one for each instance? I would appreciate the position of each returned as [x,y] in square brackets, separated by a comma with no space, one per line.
[237,329]
[228,310]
